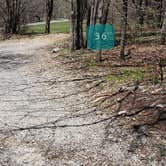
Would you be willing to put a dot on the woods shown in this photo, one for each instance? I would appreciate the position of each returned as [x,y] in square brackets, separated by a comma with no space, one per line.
[133,24]
[82,82]
[12,14]
[98,11]
[131,16]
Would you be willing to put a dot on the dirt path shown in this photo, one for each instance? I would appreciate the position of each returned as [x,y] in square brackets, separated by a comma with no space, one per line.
[36,95]
[45,117]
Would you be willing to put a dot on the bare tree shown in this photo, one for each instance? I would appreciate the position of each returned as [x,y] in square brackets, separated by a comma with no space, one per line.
[159,12]
[140,12]
[123,29]
[35,11]
[49,12]
[78,10]
[73,26]
[99,12]
[12,11]
[81,10]
[163,31]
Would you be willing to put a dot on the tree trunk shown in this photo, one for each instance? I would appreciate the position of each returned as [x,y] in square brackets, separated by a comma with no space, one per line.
[99,10]
[94,11]
[103,14]
[163,31]
[73,26]
[140,13]
[105,4]
[88,23]
[123,30]
[159,13]
[49,11]
[80,17]
[14,10]
[78,10]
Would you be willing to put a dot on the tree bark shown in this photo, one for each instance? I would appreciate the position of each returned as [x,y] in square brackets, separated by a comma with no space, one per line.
[163,31]
[49,12]
[123,30]
[73,26]
[81,9]
[99,10]
[88,22]
[78,10]
[140,13]
[159,13]
[14,11]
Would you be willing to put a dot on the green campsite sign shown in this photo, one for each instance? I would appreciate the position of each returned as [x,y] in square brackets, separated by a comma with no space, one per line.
[101,37]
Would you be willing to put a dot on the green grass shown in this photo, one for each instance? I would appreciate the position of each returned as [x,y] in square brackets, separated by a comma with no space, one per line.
[64,52]
[134,74]
[60,27]
[162,150]
[89,63]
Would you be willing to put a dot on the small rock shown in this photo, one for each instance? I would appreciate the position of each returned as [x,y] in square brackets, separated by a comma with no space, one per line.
[122,112]
[55,50]
[162,116]
[161,105]
[157,90]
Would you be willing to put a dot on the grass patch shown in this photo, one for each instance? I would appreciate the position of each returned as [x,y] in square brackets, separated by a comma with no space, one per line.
[64,52]
[162,150]
[127,74]
[89,63]
[134,74]
[59,27]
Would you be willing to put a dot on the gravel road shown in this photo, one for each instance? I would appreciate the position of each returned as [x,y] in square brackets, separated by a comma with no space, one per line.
[45,118]
[37,96]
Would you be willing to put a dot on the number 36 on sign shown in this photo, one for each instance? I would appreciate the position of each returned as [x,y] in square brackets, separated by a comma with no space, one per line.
[101,37]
